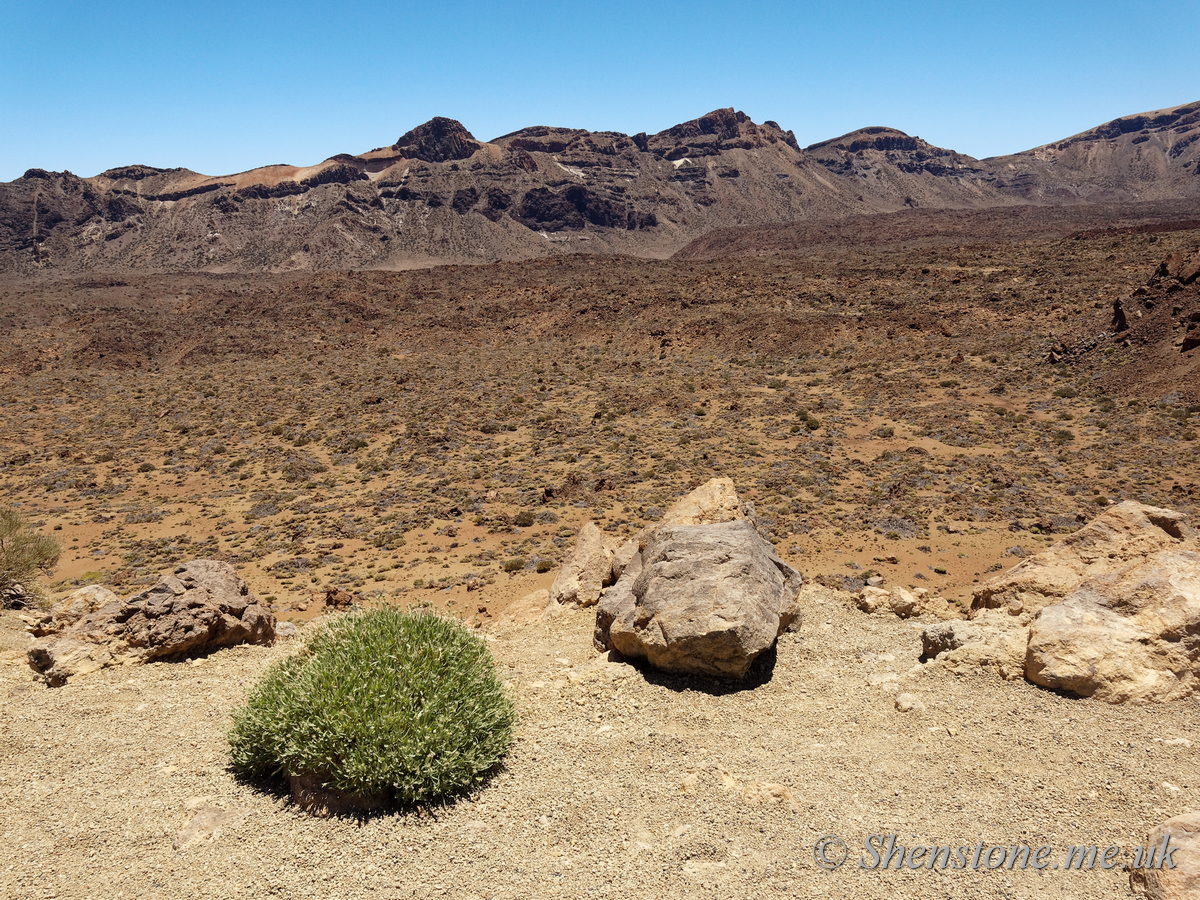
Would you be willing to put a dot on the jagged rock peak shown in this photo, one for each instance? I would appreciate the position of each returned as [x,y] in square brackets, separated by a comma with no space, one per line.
[438,140]
[721,129]
[726,124]
[876,137]
[135,172]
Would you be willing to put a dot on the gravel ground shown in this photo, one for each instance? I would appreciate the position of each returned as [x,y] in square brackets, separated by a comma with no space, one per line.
[622,783]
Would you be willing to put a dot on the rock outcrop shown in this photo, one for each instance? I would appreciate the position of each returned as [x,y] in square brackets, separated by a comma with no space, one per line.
[1112,612]
[700,599]
[1122,536]
[1170,875]
[202,607]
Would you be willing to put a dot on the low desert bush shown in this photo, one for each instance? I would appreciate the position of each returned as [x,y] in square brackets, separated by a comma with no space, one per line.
[383,703]
[24,554]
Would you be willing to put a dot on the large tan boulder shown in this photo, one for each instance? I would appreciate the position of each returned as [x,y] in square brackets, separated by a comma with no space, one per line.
[586,572]
[700,599]
[1121,536]
[203,606]
[1127,635]
[72,608]
[1174,871]
[597,561]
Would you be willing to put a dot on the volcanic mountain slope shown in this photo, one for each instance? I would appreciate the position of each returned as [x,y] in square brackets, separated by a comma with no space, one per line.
[902,170]
[440,195]
[1149,156]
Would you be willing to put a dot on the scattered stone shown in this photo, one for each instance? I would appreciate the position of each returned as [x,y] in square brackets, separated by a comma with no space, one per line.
[903,603]
[286,630]
[937,639]
[336,598]
[206,824]
[872,599]
[908,703]
[998,644]
[202,607]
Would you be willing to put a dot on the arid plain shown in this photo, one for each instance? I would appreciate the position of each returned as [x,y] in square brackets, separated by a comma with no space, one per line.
[927,408]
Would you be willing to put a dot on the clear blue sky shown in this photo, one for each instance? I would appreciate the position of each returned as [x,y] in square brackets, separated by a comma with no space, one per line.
[221,87]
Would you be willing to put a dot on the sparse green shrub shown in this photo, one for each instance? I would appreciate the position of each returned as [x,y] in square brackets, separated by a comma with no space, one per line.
[1062,435]
[24,553]
[523,519]
[301,467]
[380,704]
[544,566]
[516,564]
[146,467]
[1066,392]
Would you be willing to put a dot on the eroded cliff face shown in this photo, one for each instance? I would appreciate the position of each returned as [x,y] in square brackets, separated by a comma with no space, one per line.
[438,194]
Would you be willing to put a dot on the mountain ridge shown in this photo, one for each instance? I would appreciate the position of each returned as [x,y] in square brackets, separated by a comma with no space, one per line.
[439,195]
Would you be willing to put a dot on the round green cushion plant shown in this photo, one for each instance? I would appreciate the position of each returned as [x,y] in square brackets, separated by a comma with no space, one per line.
[380,703]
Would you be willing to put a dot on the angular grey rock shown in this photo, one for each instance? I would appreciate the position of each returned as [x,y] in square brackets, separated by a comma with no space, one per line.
[937,639]
[203,606]
[700,599]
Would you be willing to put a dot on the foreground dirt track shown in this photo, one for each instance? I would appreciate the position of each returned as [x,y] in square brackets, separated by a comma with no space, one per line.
[622,784]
